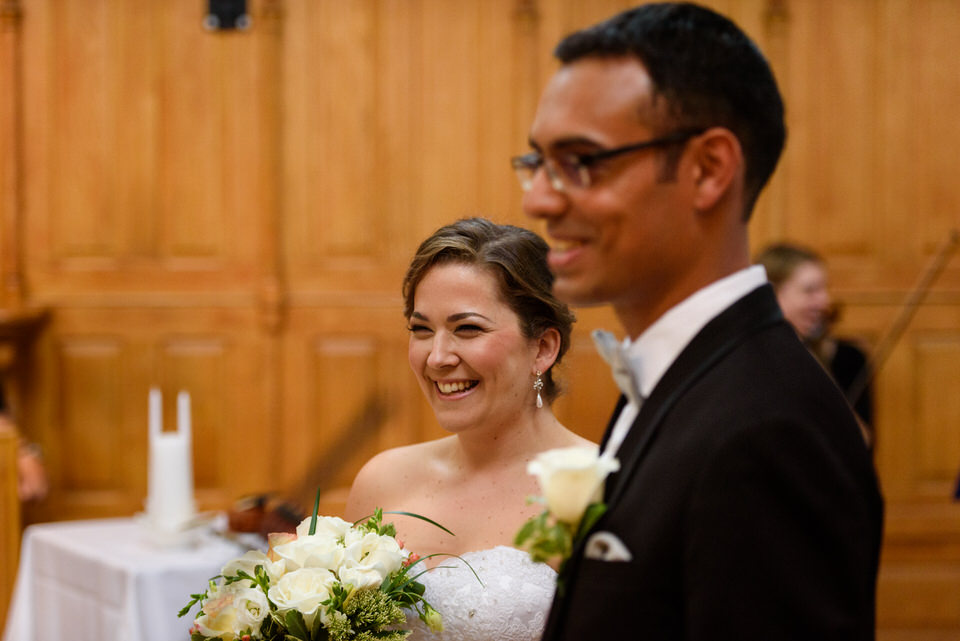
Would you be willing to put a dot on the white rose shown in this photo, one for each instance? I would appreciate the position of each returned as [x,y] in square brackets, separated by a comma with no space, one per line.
[252,608]
[571,479]
[361,577]
[249,562]
[317,551]
[332,526]
[233,610]
[370,559]
[303,590]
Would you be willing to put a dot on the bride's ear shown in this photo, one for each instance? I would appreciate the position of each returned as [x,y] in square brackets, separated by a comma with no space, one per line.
[548,347]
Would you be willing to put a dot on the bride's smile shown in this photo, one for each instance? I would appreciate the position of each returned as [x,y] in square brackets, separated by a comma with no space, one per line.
[468,351]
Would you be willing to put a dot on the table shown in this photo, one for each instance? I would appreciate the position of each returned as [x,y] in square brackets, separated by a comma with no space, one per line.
[105,580]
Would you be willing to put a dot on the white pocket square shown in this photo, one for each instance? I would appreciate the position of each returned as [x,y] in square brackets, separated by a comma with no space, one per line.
[605,546]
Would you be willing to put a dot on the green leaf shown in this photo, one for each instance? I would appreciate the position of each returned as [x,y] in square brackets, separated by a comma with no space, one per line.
[525,532]
[296,626]
[313,519]
[590,517]
[423,518]
[414,515]
[194,599]
[455,556]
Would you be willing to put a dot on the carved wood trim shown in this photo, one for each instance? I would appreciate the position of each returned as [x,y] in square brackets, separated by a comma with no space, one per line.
[272,294]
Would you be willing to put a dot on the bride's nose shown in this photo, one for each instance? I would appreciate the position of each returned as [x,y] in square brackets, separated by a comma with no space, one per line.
[442,352]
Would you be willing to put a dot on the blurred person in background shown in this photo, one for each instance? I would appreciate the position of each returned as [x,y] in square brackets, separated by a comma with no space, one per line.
[31,475]
[800,280]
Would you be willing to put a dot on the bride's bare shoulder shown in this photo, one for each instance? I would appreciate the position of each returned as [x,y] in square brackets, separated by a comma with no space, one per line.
[390,473]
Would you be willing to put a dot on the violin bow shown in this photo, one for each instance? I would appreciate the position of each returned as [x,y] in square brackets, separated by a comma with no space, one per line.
[914,300]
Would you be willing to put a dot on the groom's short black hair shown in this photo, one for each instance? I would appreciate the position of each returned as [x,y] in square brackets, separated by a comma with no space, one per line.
[705,68]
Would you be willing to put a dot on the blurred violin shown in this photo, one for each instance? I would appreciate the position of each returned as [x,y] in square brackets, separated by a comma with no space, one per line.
[263,514]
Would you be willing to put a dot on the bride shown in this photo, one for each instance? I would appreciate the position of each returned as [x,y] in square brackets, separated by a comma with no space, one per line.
[485,333]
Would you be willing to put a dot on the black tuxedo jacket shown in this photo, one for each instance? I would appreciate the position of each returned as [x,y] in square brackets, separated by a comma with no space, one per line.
[746,497]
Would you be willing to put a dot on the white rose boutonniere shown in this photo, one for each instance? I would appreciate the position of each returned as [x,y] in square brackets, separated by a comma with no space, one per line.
[571,480]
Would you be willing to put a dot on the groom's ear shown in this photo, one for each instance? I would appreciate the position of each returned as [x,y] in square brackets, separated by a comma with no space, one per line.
[548,347]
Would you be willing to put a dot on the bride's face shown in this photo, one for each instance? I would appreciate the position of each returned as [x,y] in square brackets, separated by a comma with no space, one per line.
[467,350]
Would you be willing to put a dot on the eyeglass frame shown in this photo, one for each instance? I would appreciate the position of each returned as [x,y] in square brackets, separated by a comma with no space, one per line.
[534,160]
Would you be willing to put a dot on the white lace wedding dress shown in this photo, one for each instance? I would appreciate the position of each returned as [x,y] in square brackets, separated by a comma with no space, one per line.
[511,605]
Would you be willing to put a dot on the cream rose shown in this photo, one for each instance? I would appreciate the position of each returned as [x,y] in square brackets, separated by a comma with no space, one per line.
[571,479]
[249,562]
[303,590]
[369,559]
[316,551]
[332,526]
[232,610]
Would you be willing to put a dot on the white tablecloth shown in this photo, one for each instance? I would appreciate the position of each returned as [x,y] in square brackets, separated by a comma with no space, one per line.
[104,580]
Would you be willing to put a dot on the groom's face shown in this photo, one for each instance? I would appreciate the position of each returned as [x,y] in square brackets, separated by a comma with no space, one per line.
[623,239]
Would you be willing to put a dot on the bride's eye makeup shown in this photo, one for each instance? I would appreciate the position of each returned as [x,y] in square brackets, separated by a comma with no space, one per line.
[418,329]
[469,330]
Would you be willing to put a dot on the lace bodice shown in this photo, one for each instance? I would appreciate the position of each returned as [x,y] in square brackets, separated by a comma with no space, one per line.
[511,605]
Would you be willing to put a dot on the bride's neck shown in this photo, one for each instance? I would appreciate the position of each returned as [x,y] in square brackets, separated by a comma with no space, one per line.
[518,442]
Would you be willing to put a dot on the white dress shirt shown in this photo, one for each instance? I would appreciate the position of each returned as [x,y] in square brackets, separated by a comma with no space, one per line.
[652,353]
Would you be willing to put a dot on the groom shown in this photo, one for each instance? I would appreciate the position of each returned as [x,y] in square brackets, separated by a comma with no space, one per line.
[746,505]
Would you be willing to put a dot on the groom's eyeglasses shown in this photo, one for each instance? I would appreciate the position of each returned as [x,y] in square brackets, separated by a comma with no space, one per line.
[573,170]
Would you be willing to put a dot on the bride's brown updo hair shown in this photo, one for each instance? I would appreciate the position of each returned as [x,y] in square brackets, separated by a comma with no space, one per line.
[517,258]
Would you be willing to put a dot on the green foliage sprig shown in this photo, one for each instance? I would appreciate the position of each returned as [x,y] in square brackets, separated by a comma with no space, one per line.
[547,538]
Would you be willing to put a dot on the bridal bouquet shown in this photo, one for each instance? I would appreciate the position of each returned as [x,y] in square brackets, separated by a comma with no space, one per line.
[331,581]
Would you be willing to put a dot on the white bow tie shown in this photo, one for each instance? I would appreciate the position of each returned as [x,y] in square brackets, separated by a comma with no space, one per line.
[617,357]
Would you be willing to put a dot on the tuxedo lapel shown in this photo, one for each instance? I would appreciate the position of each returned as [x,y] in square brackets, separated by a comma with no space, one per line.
[621,403]
[752,313]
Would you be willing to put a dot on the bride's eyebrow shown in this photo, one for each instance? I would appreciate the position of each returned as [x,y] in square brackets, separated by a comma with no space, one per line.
[453,318]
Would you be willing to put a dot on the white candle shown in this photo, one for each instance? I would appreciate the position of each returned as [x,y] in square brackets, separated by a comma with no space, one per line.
[183,414]
[170,503]
[155,418]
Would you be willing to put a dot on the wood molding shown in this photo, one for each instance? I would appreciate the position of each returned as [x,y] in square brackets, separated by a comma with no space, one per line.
[11,160]
[9,519]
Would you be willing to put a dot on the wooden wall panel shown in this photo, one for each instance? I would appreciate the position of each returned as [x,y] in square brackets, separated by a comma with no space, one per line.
[938,414]
[81,103]
[350,395]
[91,399]
[232,213]
[915,601]
[197,365]
[921,84]
[332,158]
[831,87]
[190,134]
[101,366]
[133,118]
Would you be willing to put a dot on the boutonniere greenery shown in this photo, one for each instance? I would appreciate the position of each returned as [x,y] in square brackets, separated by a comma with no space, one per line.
[571,480]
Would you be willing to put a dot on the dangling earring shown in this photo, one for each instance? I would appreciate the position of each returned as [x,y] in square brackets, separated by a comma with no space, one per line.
[538,385]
